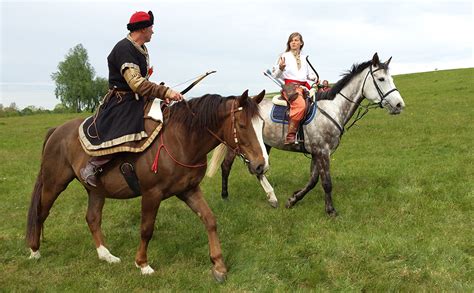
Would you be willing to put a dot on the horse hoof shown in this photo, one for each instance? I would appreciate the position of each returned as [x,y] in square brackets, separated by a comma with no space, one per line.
[224,195]
[146,270]
[34,254]
[110,259]
[332,213]
[104,254]
[273,203]
[220,277]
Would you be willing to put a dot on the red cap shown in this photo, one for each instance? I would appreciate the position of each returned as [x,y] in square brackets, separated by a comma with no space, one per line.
[139,16]
[140,20]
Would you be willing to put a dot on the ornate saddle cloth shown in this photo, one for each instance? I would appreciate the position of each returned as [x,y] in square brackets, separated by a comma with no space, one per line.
[135,142]
[279,114]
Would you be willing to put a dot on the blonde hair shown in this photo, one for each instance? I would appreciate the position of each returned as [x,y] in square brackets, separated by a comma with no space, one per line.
[295,34]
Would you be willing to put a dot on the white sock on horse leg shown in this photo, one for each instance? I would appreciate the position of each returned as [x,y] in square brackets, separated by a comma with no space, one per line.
[104,254]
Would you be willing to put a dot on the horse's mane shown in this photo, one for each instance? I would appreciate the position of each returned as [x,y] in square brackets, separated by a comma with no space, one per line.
[206,110]
[346,78]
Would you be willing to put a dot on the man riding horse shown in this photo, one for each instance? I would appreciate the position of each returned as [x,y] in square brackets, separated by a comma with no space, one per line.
[119,118]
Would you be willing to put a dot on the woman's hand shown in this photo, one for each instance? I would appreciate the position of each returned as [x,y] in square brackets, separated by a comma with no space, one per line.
[282,63]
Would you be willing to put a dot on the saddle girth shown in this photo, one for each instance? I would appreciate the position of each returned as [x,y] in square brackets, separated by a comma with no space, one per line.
[131,178]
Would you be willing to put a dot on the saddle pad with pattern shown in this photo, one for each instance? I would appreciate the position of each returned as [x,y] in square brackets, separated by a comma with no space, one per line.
[152,125]
[279,115]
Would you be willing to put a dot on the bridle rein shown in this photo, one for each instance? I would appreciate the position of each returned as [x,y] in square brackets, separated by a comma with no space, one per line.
[361,107]
[236,150]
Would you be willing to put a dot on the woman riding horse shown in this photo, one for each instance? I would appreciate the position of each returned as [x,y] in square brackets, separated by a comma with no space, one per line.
[293,68]
[370,80]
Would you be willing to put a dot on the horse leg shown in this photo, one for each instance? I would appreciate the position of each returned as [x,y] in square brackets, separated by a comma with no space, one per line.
[150,204]
[94,220]
[313,180]
[322,165]
[271,197]
[49,185]
[226,166]
[195,200]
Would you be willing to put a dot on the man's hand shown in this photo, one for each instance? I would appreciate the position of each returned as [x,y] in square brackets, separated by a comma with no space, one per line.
[173,96]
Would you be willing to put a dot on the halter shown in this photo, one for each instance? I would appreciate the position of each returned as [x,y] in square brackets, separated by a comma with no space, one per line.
[236,150]
[366,108]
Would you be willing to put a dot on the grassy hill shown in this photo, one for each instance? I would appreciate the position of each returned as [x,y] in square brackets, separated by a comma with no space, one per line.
[403,186]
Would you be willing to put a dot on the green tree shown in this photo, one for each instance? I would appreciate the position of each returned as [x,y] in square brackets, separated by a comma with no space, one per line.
[76,87]
[99,89]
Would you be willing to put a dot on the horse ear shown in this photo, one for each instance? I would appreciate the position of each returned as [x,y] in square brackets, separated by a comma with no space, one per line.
[375,60]
[243,98]
[388,62]
[258,98]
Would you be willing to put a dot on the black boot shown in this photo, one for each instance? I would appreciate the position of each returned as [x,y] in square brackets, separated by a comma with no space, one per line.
[93,167]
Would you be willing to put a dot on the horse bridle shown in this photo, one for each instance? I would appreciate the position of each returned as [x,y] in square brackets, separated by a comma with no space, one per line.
[379,91]
[361,114]
[237,149]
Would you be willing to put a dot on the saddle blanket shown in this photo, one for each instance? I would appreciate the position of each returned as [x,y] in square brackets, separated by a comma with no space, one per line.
[152,124]
[279,115]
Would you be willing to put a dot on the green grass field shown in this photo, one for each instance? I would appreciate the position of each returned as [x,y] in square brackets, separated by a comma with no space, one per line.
[403,187]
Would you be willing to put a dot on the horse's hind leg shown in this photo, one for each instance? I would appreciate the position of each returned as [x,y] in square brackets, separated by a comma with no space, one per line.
[313,180]
[94,220]
[322,165]
[226,166]
[195,200]
[50,182]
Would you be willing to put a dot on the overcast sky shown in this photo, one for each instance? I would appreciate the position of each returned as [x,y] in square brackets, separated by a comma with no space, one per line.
[239,39]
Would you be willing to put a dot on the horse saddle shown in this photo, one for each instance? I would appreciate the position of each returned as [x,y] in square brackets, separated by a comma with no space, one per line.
[152,123]
[280,111]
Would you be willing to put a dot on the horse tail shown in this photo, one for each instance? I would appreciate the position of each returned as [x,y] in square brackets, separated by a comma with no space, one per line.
[216,159]
[33,225]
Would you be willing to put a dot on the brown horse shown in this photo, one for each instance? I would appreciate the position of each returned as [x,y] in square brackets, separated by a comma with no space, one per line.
[190,132]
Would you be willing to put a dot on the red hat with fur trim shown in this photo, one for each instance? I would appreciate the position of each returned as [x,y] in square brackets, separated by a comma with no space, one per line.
[140,20]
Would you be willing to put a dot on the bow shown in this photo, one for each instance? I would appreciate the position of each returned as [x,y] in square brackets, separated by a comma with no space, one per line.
[311,65]
[197,81]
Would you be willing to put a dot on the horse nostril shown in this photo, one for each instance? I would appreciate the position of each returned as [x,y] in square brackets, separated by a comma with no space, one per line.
[259,169]
[399,106]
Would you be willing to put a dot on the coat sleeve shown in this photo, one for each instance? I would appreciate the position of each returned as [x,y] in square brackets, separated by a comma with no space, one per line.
[276,72]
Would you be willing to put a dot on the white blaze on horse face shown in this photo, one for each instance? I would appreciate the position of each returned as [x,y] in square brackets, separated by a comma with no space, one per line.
[257,124]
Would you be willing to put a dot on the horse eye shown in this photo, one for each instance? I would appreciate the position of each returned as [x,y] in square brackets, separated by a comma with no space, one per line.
[381,79]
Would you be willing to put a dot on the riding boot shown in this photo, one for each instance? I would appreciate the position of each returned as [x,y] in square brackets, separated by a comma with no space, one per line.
[93,168]
[292,129]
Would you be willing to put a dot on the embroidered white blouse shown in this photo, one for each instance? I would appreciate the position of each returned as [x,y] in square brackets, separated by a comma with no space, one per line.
[291,70]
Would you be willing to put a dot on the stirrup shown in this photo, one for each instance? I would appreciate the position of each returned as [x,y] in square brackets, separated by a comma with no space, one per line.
[90,178]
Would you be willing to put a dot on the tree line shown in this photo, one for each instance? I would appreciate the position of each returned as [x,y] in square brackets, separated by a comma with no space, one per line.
[77,87]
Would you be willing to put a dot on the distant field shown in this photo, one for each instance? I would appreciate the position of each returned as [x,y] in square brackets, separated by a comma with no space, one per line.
[403,188]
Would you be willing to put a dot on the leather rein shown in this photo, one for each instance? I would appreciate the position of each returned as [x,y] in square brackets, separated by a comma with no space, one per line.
[361,108]
[236,150]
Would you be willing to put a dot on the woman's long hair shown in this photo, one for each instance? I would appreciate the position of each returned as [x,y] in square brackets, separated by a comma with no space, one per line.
[296,34]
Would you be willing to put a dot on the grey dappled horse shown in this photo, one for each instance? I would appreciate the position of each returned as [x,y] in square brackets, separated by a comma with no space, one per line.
[370,80]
